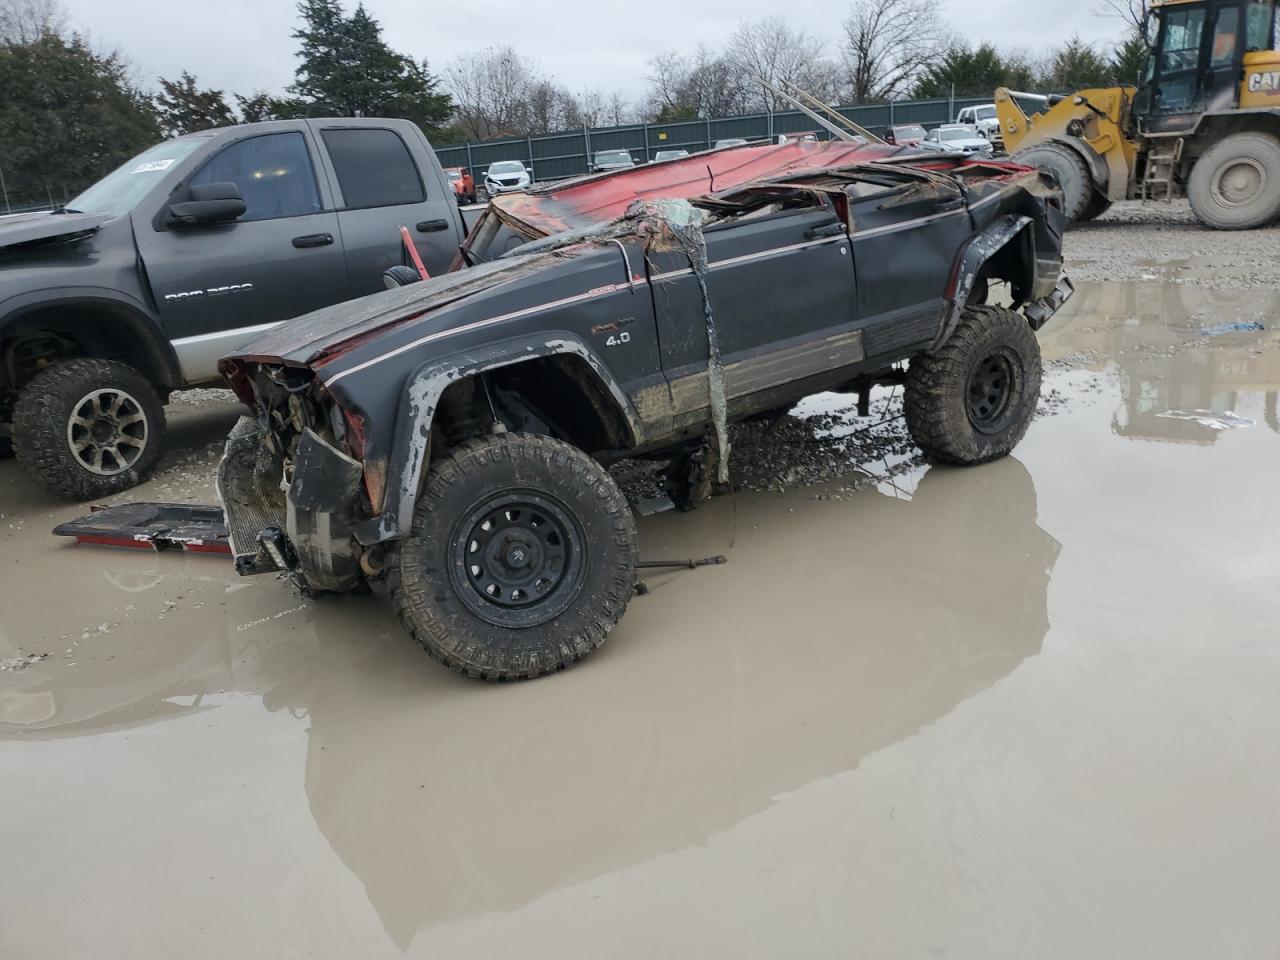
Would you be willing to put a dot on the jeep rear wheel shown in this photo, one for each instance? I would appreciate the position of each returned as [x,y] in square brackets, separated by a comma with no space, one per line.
[520,561]
[972,400]
[88,428]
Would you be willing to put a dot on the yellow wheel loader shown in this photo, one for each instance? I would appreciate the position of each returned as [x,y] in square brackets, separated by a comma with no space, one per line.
[1204,123]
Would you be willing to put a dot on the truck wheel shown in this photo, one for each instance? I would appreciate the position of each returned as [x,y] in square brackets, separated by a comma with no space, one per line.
[1235,184]
[971,400]
[1098,205]
[88,428]
[521,558]
[1066,165]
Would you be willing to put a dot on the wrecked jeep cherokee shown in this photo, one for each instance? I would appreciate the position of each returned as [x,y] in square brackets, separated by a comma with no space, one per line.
[451,436]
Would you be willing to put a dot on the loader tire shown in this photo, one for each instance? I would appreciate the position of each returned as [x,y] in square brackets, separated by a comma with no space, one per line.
[1098,205]
[88,428]
[520,561]
[971,400]
[1235,184]
[1068,167]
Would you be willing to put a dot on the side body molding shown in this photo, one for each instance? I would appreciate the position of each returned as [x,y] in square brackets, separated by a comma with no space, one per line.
[421,396]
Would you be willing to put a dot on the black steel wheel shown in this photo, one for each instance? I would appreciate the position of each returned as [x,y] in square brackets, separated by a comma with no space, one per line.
[972,399]
[520,561]
[518,558]
[992,388]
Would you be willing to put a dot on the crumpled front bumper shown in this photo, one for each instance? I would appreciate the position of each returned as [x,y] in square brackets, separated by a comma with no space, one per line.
[305,525]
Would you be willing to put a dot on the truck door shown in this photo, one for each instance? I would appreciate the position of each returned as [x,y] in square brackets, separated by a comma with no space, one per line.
[905,239]
[782,295]
[216,285]
[382,184]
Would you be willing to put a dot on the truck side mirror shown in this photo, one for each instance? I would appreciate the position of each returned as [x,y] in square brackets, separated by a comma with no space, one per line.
[209,203]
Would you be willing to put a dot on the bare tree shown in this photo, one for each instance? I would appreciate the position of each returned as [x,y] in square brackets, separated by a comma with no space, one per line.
[1132,12]
[492,89]
[703,84]
[25,21]
[886,45]
[771,50]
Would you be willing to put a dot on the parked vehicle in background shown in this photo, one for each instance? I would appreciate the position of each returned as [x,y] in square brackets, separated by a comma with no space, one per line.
[982,118]
[450,437]
[193,247]
[506,176]
[905,134]
[463,183]
[662,155]
[953,138]
[606,160]
[729,142]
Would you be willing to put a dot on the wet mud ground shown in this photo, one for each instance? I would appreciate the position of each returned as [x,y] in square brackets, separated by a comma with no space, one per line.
[1023,710]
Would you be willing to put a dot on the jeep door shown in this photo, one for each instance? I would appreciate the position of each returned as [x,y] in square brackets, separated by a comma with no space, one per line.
[783,297]
[385,176]
[905,240]
[217,285]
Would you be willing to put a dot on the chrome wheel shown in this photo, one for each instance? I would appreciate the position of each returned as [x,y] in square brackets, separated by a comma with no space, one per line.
[107,432]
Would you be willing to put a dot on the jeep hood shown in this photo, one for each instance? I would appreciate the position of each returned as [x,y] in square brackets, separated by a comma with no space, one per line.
[28,228]
[308,338]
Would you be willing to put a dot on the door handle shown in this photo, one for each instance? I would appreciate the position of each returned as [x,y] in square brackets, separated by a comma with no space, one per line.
[432,226]
[826,230]
[313,240]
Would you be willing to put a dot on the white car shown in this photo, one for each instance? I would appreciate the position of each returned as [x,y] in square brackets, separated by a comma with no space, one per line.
[983,118]
[729,142]
[955,138]
[669,155]
[506,176]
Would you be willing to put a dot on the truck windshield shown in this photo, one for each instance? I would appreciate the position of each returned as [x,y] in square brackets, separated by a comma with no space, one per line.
[119,191]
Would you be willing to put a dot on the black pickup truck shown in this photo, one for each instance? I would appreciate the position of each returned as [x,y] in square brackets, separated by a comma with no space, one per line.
[192,248]
[451,435]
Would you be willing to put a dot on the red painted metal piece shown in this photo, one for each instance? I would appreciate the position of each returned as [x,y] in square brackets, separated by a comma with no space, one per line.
[413,253]
[600,199]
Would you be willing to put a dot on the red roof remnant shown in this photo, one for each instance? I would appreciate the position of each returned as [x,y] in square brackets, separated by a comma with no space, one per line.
[584,201]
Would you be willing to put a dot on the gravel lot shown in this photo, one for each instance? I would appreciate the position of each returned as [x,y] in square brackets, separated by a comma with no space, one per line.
[1164,241]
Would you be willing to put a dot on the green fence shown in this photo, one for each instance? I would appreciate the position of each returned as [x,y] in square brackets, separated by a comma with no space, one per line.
[566,154]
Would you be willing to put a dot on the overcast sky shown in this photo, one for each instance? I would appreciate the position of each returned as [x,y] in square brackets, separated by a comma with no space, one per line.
[243,45]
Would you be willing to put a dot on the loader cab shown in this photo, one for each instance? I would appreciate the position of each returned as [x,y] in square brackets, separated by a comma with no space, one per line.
[1199,51]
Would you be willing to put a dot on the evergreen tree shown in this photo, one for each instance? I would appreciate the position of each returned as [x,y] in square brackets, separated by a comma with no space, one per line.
[1076,65]
[185,108]
[348,70]
[970,73]
[1129,61]
[67,117]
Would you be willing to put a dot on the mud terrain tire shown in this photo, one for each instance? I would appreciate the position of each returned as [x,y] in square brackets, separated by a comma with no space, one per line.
[1066,165]
[972,400]
[520,561]
[1235,184]
[134,429]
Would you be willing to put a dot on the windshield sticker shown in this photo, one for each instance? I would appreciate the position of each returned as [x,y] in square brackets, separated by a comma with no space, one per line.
[154,166]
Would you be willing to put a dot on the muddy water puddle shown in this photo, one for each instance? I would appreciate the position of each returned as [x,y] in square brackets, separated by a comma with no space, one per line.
[1026,709]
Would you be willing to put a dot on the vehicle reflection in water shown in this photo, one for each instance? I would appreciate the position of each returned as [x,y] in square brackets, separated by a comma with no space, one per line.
[1182,375]
[839,627]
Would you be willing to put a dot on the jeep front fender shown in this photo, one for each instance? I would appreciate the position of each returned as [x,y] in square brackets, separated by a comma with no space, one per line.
[410,447]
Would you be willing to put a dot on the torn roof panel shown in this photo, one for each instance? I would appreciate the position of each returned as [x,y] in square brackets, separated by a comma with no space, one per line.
[581,202]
